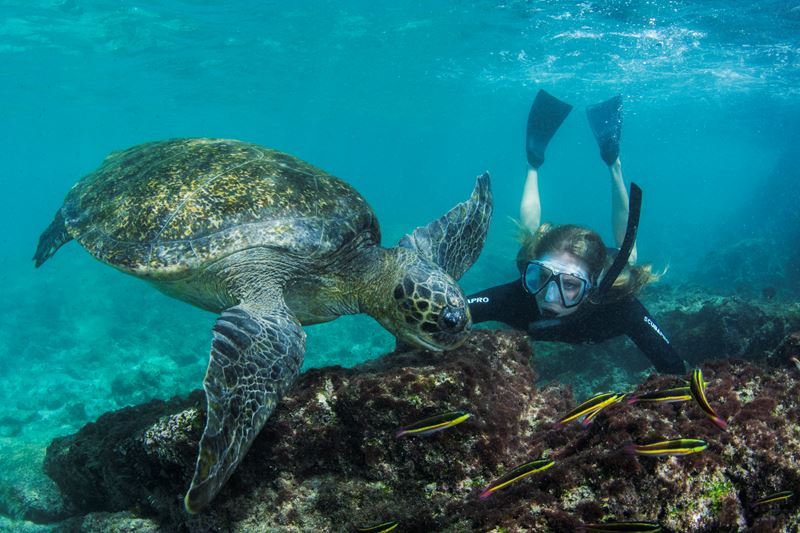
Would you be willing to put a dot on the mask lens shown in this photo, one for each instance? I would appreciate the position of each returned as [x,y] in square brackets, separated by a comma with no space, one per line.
[572,289]
[536,277]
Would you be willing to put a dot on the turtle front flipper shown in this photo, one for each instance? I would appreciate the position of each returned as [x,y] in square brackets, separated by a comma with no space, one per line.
[256,355]
[455,240]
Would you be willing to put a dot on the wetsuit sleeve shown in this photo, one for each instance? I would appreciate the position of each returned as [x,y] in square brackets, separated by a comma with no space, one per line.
[647,335]
[502,303]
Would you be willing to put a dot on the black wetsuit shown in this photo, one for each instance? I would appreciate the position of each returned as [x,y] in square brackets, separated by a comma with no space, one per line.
[511,304]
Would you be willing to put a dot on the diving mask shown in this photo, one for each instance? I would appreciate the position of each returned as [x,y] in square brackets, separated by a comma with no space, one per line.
[544,275]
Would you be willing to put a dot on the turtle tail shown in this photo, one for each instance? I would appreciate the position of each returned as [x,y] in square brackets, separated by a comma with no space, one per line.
[51,240]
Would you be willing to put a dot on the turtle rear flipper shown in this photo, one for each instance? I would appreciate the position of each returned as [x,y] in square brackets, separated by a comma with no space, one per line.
[53,238]
[256,355]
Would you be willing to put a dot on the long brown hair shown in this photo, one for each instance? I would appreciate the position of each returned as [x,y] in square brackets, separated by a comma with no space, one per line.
[588,246]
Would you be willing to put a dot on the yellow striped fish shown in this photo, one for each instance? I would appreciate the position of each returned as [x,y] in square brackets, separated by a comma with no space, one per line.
[773,498]
[588,419]
[667,447]
[516,474]
[698,389]
[431,425]
[596,402]
[678,394]
[627,527]
[380,528]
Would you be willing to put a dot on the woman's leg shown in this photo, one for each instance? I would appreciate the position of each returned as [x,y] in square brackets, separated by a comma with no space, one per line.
[530,209]
[605,120]
[619,207]
[545,117]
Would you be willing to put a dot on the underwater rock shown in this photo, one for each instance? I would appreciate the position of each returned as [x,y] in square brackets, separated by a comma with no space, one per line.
[114,464]
[109,523]
[10,426]
[27,495]
[34,498]
[9,525]
[136,384]
[759,245]
[700,326]
[746,268]
[328,458]
[788,349]
[703,327]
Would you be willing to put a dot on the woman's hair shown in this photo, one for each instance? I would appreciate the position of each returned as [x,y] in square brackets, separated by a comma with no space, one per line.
[588,246]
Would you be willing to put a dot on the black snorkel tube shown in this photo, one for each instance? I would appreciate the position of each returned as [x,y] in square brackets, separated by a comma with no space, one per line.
[596,294]
[634,211]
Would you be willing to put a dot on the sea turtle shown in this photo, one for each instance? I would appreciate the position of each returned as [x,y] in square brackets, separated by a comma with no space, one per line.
[271,243]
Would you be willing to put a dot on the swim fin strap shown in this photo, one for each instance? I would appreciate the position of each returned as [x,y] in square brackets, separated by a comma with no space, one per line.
[546,115]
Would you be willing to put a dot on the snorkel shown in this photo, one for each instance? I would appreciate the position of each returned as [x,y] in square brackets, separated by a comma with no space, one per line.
[597,292]
[596,296]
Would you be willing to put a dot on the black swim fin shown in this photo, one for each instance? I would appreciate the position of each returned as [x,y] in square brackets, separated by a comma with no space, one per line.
[605,119]
[546,115]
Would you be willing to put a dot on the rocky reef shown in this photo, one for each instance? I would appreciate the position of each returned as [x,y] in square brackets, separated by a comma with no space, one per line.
[328,459]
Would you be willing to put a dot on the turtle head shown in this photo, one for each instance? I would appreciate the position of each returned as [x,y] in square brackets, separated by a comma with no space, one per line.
[427,308]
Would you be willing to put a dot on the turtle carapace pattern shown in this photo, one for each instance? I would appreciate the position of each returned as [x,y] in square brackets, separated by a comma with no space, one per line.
[270,243]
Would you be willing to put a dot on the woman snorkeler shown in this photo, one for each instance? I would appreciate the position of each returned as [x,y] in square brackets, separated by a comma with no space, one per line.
[572,288]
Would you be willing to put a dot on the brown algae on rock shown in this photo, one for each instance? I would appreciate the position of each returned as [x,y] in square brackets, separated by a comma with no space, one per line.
[330,459]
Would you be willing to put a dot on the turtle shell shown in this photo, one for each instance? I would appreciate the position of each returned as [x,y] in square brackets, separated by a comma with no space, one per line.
[171,206]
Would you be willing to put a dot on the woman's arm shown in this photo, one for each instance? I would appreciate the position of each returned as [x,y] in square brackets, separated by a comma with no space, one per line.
[651,340]
[530,208]
[503,303]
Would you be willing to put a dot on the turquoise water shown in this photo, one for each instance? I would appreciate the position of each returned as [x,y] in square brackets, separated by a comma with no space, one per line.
[408,102]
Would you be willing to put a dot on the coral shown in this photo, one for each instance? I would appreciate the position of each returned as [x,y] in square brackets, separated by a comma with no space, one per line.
[328,458]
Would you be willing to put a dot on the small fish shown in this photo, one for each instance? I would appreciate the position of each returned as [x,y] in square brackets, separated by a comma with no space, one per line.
[667,447]
[431,425]
[588,419]
[777,497]
[629,527]
[679,394]
[698,389]
[380,528]
[796,362]
[515,474]
[598,401]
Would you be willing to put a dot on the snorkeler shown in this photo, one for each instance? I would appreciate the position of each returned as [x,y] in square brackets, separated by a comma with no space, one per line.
[571,287]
